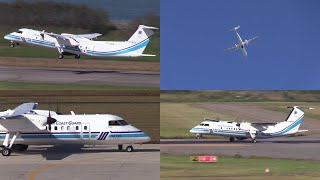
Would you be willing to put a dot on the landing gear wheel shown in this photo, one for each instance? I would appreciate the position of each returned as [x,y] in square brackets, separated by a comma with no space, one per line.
[6,151]
[198,136]
[17,44]
[120,147]
[231,139]
[12,45]
[254,140]
[60,56]
[129,149]
[77,56]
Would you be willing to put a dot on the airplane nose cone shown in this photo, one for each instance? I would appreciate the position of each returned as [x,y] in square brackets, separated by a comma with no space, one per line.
[6,37]
[146,137]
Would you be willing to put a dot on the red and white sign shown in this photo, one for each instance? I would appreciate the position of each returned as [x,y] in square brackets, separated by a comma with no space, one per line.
[207,159]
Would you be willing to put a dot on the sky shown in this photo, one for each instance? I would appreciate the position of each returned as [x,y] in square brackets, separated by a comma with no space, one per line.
[194,34]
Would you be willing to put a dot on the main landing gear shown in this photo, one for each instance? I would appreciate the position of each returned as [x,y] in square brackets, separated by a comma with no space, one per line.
[231,139]
[6,148]
[128,148]
[61,56]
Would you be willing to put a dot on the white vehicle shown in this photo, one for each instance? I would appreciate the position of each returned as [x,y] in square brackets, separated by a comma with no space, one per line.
[27,126]
[82,44]
[241,44]
[244,130]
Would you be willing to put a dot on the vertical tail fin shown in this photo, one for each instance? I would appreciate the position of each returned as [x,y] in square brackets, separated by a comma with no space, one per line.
[295,117]
[141,38]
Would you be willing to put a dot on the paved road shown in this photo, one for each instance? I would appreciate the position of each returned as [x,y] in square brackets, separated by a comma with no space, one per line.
[80,76]
[302,147]
[74,162]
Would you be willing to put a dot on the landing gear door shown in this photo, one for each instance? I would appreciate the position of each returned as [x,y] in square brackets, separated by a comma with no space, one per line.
[85,131]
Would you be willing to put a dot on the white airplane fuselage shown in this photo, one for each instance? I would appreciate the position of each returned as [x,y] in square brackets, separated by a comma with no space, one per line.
[241,44]
[74,129]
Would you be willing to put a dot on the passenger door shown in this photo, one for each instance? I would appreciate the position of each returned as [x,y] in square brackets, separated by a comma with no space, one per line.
[85,131]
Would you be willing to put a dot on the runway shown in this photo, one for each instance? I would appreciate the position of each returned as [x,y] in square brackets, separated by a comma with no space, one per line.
[80,76]
[74,162]
[302,147]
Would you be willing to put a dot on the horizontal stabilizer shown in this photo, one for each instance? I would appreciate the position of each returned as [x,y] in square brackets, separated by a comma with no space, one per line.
[152,55]
[235,28]
[299,131]
[147,27]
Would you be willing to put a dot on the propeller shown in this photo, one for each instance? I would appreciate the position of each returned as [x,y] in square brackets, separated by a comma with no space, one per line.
[50,120]
[58,108]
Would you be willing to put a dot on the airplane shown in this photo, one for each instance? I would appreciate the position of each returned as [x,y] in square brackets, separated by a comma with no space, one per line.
[26,125]
[241,44]
[83,44]
[244,130]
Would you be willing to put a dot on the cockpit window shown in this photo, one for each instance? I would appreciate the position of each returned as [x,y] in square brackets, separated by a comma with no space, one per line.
[118,123]
[202,124]
[20,32]
[123,122]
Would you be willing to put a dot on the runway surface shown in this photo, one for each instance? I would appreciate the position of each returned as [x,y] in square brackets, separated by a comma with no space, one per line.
[302,147]
[74,162]
[80,76]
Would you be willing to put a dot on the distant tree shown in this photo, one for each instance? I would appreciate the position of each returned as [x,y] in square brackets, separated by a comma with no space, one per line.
[44,13]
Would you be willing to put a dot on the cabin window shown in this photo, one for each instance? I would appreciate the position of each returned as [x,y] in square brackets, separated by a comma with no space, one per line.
[55,128]
[77,127]
[46,127]
[85,128]
[68,128]
[62,128]
[49,128]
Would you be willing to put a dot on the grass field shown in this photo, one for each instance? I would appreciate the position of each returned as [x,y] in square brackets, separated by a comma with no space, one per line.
[240,96]
[5,85]
[181,167]
[176,119]
[140,108]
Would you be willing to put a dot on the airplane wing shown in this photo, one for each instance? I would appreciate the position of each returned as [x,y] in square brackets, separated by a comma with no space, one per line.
[20,110]
[231,48]
[88,36]
[57,35]
[252,39]
[263,123]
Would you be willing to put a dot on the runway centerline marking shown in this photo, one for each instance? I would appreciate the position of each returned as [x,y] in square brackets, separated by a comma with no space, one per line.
[204,145]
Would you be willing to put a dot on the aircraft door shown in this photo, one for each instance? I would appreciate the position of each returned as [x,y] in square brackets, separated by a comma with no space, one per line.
[85,131]
[88,49]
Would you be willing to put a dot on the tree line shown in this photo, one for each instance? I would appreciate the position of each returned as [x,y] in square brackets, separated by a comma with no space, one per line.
[41,14]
